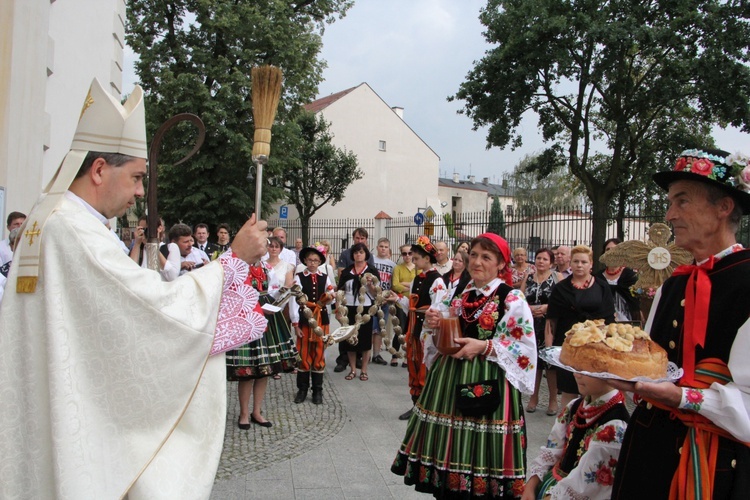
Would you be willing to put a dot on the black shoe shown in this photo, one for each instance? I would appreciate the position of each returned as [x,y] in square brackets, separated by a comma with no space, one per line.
[339,368]
[405,416]
[301,396]
[378,360]
[258,422]
[317,397]
[243,427]
[404,365]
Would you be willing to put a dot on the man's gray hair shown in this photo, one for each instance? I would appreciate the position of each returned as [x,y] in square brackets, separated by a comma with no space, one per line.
[714,194]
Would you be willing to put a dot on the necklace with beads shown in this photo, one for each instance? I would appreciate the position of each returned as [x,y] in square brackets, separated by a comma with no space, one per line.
[469,309]
[586,417]
[584,286]
[615,272]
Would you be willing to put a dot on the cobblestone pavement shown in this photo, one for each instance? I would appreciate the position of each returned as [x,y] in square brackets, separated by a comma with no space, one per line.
[296,428]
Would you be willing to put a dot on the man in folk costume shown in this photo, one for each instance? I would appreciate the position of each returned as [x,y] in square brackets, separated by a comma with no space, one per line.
[319,289]
[690,440]
[113,380]
[423,289]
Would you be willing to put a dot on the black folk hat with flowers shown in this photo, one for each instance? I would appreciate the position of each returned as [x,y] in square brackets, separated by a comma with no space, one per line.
[319,251]
[424,247]
[714,167]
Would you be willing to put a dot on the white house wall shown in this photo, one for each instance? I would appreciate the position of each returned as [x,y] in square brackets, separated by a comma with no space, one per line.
[397,180]
[49,53]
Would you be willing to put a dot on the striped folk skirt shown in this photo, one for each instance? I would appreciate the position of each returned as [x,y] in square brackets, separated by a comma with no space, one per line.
[273,353]
[454,456]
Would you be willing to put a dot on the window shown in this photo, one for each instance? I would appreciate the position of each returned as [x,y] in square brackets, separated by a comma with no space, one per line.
[381,145]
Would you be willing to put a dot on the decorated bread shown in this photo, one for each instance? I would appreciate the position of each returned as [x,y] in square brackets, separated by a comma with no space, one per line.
[618,348]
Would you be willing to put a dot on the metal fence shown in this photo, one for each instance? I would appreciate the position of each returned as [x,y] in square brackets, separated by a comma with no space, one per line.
[531,228]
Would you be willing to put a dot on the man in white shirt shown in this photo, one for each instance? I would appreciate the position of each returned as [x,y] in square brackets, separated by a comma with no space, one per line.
[444,264]
[562,260]
[15,219]
[190,257]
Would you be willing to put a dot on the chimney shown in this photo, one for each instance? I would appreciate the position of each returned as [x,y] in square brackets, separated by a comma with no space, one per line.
[456,178]
[472,179]
[486,181]
[399,111]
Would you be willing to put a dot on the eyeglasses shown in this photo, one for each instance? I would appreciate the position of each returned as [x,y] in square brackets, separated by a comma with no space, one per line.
[313,261]
[404,254]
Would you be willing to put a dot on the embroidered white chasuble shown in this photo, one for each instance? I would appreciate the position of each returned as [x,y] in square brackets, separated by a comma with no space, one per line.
[107,388]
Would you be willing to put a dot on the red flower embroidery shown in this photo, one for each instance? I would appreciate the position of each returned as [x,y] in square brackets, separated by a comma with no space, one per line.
[693,396]
[478,391]
[612,462]
[701,166]
[523,362]
[517,488]
[517,333]
[486,322]
[480,486]
[606,435]
[604,476]
[423,474]
[680,165]
[453,481]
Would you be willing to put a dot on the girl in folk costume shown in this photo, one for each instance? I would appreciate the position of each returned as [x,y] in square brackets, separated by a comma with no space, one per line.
[352,279]
[580,456]
[467,435]
[252,364]
[426,283]
[319,289]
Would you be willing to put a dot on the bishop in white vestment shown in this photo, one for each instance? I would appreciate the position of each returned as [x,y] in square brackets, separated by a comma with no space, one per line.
[112,381]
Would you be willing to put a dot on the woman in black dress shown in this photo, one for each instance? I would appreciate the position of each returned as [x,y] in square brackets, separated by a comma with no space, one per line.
[577,298]
[351,282]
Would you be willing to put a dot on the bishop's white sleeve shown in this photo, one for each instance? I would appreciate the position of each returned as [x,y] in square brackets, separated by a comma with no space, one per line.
[728,405]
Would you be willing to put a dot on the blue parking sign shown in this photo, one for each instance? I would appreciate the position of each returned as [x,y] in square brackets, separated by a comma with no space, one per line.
[283,212]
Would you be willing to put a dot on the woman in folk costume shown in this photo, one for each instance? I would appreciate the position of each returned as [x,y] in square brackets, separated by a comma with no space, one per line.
[319,289]
[252,364]
[351,281]
[467,435]
[580,457]
[423,289]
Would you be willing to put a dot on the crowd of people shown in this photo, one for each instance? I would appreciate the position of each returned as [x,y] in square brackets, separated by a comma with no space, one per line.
[97,406]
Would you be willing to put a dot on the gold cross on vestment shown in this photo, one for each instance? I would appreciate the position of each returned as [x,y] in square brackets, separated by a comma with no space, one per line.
[31,233]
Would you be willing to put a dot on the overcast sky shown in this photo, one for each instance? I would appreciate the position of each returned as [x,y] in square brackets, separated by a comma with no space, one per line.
[415,54]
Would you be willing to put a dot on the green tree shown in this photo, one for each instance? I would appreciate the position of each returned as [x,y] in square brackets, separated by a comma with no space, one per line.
[316,172]
[534,193]
[602,75]
[497,221]
[196,56]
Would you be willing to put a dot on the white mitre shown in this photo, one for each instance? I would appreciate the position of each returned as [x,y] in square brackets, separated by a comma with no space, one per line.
[105,126]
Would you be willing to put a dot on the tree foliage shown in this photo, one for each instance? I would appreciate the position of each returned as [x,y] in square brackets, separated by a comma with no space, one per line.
[316,172]
[609,77]
[497,220]
[532,191]
[196,56]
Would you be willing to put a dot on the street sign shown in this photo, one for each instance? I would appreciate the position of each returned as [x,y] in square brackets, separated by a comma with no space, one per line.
[283,212]
[430,213]
[418,219]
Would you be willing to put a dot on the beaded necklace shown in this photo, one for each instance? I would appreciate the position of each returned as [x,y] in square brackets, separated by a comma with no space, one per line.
[470,309]
[584,286]
[615,272]
[586,417]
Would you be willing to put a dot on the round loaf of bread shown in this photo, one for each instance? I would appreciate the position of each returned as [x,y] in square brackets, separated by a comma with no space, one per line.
[646,359]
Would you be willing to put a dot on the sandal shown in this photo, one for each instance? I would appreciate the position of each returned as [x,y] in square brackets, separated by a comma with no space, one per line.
[363,377]
[394,362]
[350,376]
[552,413]
[276,376]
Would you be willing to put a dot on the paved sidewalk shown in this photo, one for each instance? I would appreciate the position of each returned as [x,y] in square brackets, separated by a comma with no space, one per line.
[340,449]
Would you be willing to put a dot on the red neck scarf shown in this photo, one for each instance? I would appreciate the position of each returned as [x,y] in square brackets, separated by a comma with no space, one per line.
[697,299]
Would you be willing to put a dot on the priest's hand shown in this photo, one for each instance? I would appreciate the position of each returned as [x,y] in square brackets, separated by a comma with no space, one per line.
[250,242]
